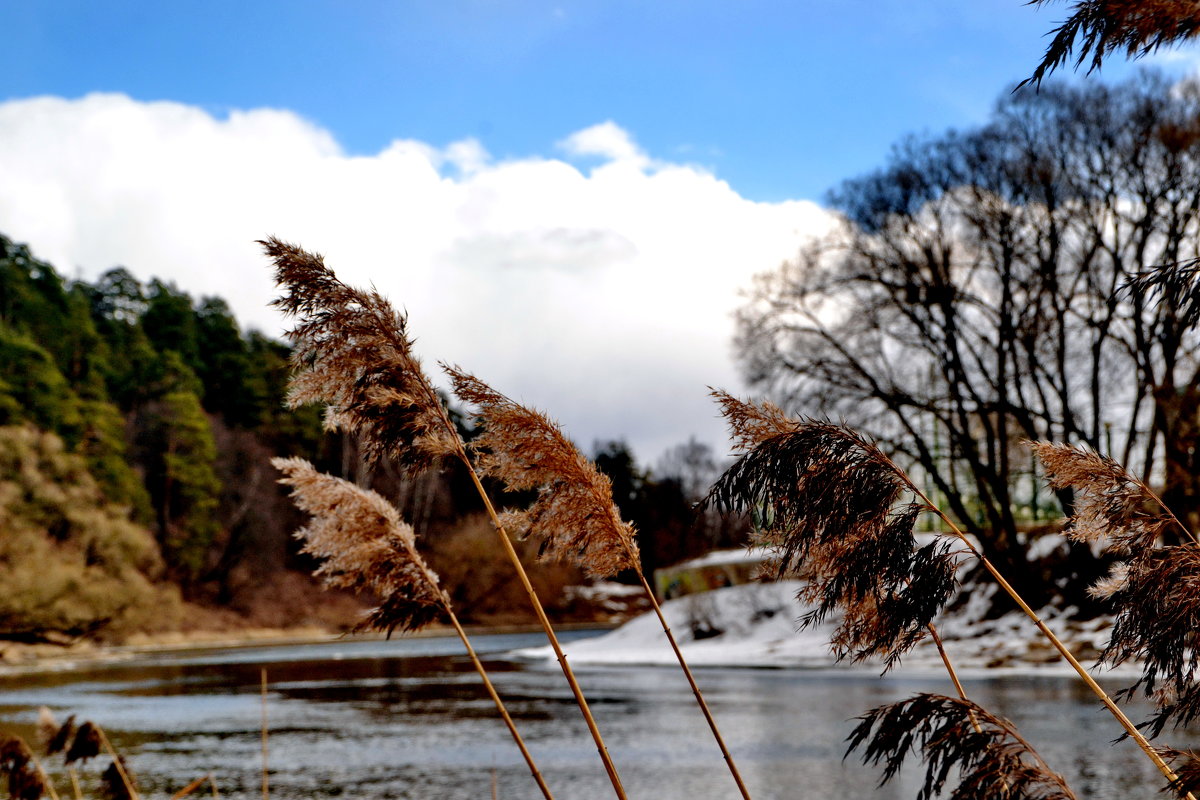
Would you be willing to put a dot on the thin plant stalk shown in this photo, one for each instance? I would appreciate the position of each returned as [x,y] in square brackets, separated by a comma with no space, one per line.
[265,775]
[191,787]
[950,670]
[212,780]
[45,778]
[125,779]
[523,445]
[580,700]
[299,474]
[75,783]
[1062,649]
[491,690]
[687,672]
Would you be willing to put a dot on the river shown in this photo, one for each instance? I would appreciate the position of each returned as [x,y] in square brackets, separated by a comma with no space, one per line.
[407,718]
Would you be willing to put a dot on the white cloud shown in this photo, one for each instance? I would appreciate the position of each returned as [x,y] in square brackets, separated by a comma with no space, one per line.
[602,297]
[607,140]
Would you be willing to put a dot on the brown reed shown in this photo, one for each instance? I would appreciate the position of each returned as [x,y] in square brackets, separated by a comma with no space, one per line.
[990,755]
[573,514]
[364,545]
[830,497]
[1155,590]
[352,352]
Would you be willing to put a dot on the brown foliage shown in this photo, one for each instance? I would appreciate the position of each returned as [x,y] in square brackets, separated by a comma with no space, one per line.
[85,745]
[573,515]
[1110,504]
[25,781]
[1186,764]
[474,571]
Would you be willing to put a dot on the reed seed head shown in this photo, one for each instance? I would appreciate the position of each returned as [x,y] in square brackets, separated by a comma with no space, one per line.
[834,516]
[1186,766]
[364,545]
[85,745]
[1110,504]
[574,514]
[51,735]
[950,734]
[113,786]
[25,781]
[351,351]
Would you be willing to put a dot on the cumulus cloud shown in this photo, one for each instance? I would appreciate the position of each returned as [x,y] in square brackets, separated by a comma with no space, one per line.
[607,140]
[602,296]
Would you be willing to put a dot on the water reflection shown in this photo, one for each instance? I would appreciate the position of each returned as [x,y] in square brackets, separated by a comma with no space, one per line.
[408,719]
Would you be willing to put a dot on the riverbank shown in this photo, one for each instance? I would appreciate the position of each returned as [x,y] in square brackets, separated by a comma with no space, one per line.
[17,657]
[755,626]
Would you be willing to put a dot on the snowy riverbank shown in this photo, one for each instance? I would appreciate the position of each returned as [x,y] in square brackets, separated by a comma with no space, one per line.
[754,625]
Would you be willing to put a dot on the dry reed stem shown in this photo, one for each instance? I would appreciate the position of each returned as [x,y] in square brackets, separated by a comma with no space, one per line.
[756,428]
[191,787]
[352,351]
[365,544]
[265,780]
[125,779]
[45,778]
[75,783]
[574,512]
[212,780]
[1058,645]
[609,768]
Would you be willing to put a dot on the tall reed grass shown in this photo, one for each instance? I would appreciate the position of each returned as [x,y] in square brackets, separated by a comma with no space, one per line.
[831,506]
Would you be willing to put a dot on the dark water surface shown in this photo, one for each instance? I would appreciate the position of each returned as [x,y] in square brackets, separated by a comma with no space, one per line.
[409,719]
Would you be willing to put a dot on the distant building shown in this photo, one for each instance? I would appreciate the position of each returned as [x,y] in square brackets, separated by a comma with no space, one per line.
[714,570]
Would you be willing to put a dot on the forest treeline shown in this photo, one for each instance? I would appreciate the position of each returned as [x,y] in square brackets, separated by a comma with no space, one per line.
[136,493]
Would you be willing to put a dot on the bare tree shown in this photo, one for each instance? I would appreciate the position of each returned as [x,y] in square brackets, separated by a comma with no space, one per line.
[977,296]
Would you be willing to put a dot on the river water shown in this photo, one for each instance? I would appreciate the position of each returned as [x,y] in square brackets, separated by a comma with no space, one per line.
[408,718]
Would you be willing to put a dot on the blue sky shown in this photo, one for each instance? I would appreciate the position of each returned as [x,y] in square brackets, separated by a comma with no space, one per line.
[569,198]
[780,99]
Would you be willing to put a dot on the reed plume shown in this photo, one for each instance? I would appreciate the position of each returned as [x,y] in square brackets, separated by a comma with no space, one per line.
[53,737]
[1154,590]
[574,514]
[1187,767]
[26,780]
[989,756]
[364,545]
[1099,28]
[831,502]
[833,514]
[352,352]
[116,783]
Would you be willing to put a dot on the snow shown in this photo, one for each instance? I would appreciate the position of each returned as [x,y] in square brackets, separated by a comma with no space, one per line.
[755,625]
[740,555]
